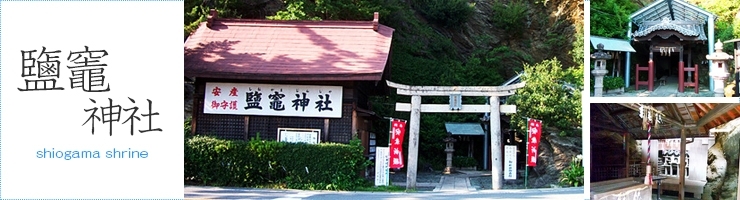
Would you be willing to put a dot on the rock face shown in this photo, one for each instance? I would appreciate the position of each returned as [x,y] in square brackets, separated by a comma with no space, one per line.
[555,155]
[722,167]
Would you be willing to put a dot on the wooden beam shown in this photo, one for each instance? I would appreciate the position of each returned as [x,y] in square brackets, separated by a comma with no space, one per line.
[609,116]
[608,128]
[716,112]
[674,109]
[666,118]
[447,90]
[446,93]
[701,107]
[444,108]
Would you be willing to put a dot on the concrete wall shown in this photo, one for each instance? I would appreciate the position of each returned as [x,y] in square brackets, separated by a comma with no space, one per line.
[697,154]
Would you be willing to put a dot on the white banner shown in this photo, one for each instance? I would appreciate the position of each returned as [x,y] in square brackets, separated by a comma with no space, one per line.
[273,100]
[382,154]
[310,136]
[510,162]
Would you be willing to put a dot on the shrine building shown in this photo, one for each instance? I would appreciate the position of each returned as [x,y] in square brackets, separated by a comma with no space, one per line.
[671,39]
[645,151]
[293,81]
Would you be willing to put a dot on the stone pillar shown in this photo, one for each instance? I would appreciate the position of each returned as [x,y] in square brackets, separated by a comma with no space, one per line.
[737,65]
[719,73]
[497,162]
[413,142]
[599,69]
[449,150]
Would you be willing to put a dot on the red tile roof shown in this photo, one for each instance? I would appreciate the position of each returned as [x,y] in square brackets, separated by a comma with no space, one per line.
[288,50]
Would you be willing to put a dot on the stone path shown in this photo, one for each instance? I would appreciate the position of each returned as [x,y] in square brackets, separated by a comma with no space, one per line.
[460,181]
[670,89]
[436,181]
[454,183]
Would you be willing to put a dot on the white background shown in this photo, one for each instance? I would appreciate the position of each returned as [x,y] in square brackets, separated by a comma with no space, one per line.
[144,42]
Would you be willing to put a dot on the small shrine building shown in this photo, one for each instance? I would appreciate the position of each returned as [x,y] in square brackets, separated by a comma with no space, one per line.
[671,38]
[295,81]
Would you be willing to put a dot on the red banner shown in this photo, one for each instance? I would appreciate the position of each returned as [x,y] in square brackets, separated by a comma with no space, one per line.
[534,128]
[398,128]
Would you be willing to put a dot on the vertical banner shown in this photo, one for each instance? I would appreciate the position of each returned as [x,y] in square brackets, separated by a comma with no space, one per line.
[398,128]
[510,162]
[92,99]
[381,166]
[534,128]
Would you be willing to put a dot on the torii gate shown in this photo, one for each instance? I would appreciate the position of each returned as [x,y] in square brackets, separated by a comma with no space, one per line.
[455,93]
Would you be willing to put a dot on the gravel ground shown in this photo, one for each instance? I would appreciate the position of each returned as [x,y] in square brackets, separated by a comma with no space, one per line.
[484,183]
[421,177]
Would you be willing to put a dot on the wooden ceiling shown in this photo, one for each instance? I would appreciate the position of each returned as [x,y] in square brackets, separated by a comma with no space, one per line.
[696,118]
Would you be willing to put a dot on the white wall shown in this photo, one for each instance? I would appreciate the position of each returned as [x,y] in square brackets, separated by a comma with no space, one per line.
[697,155]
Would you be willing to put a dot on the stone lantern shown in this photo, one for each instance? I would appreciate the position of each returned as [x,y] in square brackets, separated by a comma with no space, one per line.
[449,149]
[599,71]
[737,66]
[719,73]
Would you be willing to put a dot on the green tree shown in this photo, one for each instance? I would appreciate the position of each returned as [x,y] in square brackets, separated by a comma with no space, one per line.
[448,13]
[610,18]
[510,17]
[333,9]
[547,97]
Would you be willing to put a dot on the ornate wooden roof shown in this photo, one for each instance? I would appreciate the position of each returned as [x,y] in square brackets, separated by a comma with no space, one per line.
[697,118]
[678,10]
[673,17]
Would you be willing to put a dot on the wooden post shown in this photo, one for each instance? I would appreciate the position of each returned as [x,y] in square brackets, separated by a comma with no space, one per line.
[246,128]
[497,172]
[627,158]
[414,121]
[326,131]
[682,166]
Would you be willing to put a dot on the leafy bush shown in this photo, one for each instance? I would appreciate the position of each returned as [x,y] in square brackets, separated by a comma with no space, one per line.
[573,176]
[548,96]
[510,17]
[188,127]
[329,166]
[464,161]
[613,82]
[448,13]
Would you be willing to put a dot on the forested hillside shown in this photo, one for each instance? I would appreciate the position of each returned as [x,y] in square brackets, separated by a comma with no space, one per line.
[456,42]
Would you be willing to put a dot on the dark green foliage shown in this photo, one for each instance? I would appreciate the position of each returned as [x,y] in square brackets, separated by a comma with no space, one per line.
[188,127]
[610,18]
[332,10]
[447,13]
[196,11]
[510,17]
[612,82]
[725,32]
[464,161]
[548,98]
[326,166]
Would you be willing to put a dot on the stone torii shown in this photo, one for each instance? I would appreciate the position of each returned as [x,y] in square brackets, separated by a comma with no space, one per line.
[455,93]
